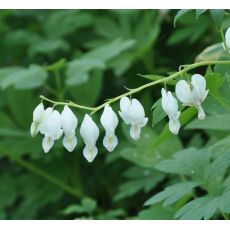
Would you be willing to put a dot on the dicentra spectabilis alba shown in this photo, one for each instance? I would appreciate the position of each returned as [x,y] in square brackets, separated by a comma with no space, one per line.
[132,112]
[170,107]
[109,121]
[193,94]
[227,38]
[38,114]
[90,133]
[52,130]
[69,124]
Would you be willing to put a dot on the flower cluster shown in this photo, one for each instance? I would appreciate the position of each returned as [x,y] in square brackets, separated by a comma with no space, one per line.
[50,123]
[53,125]
[190,94]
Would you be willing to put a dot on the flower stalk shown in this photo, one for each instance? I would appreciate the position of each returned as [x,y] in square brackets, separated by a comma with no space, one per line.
[138,89]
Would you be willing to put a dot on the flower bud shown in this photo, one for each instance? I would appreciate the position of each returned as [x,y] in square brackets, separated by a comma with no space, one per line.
[38,114]
[69,124]
[170,107]
[90,133]
[52,130]
[132,112]
[193,94]
[109,121]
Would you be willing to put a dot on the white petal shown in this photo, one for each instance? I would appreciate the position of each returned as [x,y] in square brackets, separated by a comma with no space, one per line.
[89,131]
[125,103]
[124,118]
[144,122]
[90,152]
[42,126]
[183,92]
[34,129]
[169,103]
[201,113]
[135,132]
[110,142]
[58,134]
[70,142]
[69,121]
[53,124]
[109,119]
[227,37]
[47,143]
[199,85]
[174,126]
[38,113]
[136,112]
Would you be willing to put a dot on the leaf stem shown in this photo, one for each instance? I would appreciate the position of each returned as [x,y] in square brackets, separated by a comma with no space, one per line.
[138,89]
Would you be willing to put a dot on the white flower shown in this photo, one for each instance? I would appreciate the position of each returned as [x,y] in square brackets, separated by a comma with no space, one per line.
[52,130]
[69,124]
[109,121]
[170,107]
[193,94]
[37,119]
[90,133]
[227,38]
[132,112]
[46,115]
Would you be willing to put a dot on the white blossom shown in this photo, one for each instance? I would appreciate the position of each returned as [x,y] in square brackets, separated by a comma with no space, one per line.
[69,124]
[90,133]
[193,94]
[170,107]
[52,130]
[132,112]
[38,114]
[227,37]
[109,121]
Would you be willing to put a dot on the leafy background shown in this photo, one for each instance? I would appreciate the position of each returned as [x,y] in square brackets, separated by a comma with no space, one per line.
[87,56]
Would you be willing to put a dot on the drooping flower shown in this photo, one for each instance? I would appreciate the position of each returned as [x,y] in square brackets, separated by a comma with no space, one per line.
[52,130]
[193,94]
[109,121]
[90,133]
[170,107]
[132,112]
[69,124]
[38,114]
[227,37]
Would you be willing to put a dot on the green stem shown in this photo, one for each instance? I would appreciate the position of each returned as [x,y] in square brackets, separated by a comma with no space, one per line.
[59,85]
[49,178]
[138,89]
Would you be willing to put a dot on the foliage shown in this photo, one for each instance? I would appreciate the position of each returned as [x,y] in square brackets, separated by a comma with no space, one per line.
[87,57]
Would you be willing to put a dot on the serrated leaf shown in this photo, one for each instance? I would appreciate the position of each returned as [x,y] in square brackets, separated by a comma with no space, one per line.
[172,193]
[189,161]
[214,122]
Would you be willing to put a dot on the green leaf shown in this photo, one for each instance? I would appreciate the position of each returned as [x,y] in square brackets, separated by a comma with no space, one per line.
[73,208]
[214,122]
[172,193]
[218,16]
[189,161]
[30,78]
[156,213]
[200,12]
[88,204]
[197,209]
[211,53]
[224,202]
[158,112]
[179,14]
